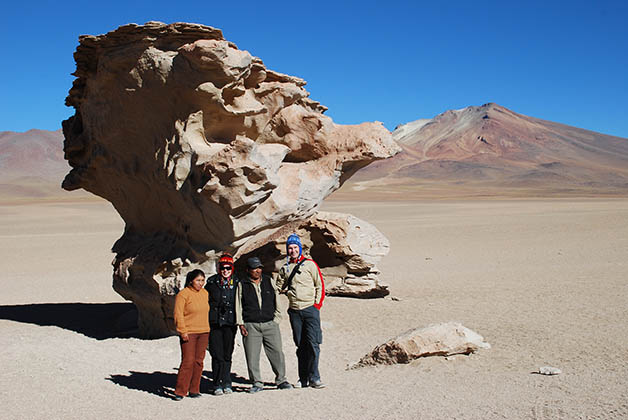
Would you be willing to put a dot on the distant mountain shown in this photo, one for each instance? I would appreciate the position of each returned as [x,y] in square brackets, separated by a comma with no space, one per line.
[492,150]
[31,164]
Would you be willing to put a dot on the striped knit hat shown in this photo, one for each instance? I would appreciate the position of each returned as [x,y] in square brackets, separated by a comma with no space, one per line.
[225,259]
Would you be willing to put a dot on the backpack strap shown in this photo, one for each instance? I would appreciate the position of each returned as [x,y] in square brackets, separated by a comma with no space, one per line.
[293,273]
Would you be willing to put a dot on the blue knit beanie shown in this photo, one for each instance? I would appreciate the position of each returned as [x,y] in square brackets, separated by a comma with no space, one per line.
[294,239]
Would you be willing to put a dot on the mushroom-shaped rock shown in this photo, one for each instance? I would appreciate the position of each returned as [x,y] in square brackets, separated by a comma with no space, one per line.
[435,340]
[201,149]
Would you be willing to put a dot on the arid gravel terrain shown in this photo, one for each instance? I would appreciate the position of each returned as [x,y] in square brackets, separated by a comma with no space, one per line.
[544,281]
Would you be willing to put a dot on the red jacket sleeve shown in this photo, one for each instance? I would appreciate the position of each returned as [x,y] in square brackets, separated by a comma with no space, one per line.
[319,304]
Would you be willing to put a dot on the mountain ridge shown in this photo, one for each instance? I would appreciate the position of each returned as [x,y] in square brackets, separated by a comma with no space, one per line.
[32,164]
[492,147]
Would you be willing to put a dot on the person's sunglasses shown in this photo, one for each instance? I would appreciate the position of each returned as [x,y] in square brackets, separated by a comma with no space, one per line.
[226,267]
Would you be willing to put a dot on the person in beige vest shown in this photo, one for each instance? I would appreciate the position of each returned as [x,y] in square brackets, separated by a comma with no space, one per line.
[302,281]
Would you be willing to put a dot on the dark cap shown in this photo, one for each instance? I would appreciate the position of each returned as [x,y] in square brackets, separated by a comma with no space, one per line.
[254,262]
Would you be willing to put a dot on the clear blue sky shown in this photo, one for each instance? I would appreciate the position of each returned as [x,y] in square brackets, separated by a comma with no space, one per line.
[390,61]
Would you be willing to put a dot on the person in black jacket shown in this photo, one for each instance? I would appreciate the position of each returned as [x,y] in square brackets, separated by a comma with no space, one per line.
[221,288]
[257,315]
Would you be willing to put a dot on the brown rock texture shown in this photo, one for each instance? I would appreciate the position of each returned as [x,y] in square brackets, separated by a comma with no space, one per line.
[435,340]
[201,149]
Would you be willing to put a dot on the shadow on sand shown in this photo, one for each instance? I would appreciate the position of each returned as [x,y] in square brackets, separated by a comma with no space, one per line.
[95,320]
[162,383]
[102,321]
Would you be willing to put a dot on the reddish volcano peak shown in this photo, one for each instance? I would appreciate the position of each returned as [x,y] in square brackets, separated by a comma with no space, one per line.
[492,146]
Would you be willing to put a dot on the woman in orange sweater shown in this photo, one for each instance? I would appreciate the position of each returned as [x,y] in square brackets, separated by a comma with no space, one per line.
[191,309]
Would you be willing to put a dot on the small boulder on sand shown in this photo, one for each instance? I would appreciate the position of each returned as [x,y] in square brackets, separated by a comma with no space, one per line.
[435,340]
[548,370]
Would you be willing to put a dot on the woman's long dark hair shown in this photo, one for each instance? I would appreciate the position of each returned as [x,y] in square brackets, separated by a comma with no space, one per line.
[192,275]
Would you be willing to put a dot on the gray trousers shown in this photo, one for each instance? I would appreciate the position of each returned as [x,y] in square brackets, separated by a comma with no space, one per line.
[268,334]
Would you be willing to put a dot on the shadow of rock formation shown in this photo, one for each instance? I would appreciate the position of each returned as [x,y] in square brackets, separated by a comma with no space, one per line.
[95,320]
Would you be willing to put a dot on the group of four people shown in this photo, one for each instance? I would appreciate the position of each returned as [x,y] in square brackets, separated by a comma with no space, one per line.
[213,313]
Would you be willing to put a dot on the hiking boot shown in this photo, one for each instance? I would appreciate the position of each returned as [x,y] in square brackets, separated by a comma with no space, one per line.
[317,384]
[254,389]
[285,385]
[218,391]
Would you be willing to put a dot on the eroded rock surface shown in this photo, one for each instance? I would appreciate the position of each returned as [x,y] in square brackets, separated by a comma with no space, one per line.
[435,340]
[345,247]
[202,149]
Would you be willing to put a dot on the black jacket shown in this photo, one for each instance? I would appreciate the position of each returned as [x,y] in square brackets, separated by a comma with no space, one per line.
[251,310]
[221,301]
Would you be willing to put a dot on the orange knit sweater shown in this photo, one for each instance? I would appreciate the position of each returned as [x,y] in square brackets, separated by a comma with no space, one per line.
[191,309]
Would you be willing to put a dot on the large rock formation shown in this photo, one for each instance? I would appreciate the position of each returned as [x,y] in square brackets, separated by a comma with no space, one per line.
[435,340]
[202,149]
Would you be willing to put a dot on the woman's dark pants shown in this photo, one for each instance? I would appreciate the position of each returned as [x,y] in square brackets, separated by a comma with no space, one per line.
[221,341]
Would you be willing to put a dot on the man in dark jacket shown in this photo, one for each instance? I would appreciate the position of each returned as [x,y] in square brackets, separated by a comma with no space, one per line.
[257,315]
[221,288]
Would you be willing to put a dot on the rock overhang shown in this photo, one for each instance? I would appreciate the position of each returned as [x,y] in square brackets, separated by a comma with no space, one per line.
[201,149]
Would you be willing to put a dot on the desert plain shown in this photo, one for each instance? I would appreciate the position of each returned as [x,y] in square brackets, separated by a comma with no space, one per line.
[544,281]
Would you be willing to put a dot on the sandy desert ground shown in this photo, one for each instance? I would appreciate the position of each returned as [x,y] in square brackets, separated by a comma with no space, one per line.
[544,281]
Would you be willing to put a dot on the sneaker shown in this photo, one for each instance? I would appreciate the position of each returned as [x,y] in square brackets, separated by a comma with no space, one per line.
[254,389]
[303,384]
[218,391]
[317,384]
[194,395]
[177,397]
[228,390]
[285,385]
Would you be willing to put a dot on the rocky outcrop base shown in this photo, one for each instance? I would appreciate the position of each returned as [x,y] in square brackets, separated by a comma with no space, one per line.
[345,248]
